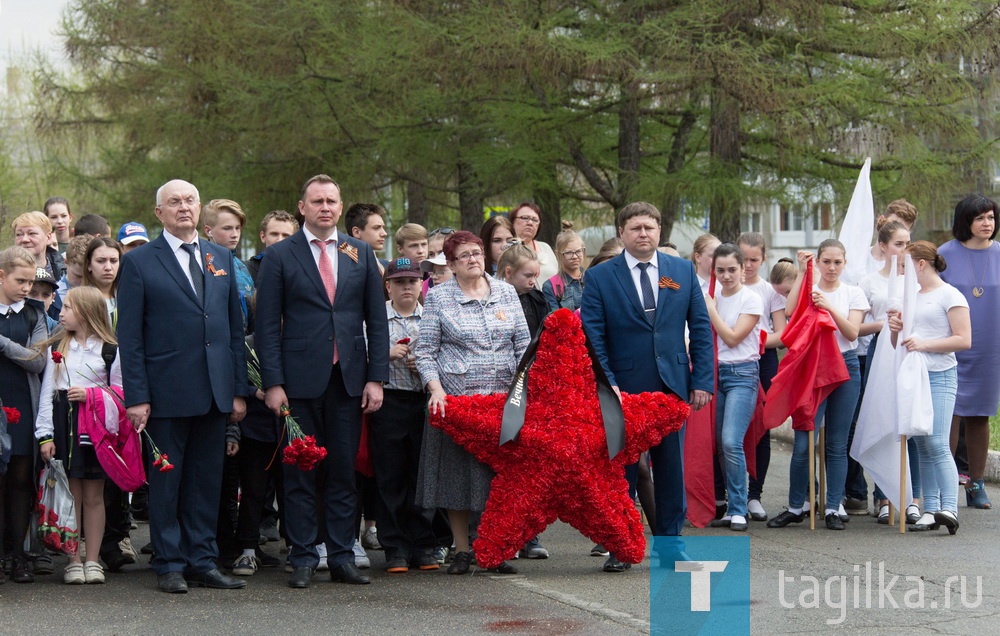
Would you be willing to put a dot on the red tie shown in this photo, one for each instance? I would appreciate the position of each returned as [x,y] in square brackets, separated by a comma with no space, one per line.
[329,282]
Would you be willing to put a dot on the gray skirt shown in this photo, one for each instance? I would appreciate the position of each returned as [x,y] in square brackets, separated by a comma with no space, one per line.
[449,476]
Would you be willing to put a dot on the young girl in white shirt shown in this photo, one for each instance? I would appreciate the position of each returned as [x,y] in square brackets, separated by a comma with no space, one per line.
[772,323]
[847,305]
[735,313]
[941,327]
[81,366]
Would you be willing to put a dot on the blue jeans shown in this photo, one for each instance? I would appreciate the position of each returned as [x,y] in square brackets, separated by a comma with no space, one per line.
[838,411]
[938,473]
[735,403]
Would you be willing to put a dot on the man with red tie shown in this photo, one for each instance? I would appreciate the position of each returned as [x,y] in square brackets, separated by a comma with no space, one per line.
[318,293]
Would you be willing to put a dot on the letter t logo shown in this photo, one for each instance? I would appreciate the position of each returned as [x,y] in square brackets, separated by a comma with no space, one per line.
[701,581]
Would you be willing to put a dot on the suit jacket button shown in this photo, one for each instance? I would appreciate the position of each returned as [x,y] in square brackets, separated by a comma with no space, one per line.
[206,315]
[208,344]
[330,338]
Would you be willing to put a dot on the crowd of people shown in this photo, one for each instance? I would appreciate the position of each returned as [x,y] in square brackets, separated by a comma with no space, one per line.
[358,350]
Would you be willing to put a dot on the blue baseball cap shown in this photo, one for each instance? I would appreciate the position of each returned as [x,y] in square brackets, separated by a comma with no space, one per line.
[132,232]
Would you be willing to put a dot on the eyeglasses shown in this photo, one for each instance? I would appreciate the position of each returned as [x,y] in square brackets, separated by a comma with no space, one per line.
[443,231]
[176,202]
[469,256]
[533,220]
[573,253]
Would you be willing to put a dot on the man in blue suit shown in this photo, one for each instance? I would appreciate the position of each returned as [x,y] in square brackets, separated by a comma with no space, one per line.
[635,308]
[318,294]
[180,333]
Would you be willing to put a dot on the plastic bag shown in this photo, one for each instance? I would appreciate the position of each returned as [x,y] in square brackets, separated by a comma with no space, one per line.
[57,525]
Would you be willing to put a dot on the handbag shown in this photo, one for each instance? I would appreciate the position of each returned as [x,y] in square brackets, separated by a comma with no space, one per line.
[57,524]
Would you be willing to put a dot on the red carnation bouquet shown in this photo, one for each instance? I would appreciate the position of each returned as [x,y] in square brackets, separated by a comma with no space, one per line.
[301,450]
[13,415]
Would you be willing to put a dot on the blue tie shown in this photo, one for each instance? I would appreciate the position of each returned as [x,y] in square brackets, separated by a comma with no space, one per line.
[648,302]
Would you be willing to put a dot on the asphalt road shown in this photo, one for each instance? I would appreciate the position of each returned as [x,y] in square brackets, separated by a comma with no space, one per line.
[565,594]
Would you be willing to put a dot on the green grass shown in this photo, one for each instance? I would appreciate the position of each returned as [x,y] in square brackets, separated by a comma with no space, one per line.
[995,432]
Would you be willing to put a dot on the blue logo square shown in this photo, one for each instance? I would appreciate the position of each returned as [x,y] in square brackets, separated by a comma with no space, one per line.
[700,585]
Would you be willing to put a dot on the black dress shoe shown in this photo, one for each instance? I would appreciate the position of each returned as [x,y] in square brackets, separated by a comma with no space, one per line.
[215,580]
[614,565]
[833,522]
[948,519]
[721,523]
[172,583]
[301,577]
[348,573]
[786,518]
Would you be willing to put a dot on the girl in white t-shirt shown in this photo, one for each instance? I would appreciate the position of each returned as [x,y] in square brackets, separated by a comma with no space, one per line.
[701,255]
[941,327]
[772,323]
[735,314]
[893,237]
[847,306]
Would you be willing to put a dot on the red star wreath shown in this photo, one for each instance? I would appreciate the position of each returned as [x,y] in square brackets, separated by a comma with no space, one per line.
[558,467]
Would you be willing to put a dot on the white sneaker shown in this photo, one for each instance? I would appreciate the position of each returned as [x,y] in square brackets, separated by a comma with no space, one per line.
[361,557]
[369,539]
[128,551]
[323,566]
[93,572]
[73,575]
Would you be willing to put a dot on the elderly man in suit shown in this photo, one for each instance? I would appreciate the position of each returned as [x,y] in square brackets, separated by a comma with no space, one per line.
[318,294]
[634,310]
[180,332]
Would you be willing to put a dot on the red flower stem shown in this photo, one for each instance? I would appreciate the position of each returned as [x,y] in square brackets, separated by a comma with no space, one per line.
[276,447]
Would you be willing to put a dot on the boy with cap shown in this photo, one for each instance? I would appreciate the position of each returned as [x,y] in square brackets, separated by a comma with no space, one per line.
[132,235]
[397,429]
[42,294]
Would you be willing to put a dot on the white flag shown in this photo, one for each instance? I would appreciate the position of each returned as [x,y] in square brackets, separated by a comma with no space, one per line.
[913,385]
[858,228]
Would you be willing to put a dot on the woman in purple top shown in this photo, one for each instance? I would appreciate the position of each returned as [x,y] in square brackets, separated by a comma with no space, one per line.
[974,268]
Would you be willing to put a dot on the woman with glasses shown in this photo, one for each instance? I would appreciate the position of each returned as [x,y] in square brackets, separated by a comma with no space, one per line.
[472,334]
[565,289]
[526,220]
[495,234]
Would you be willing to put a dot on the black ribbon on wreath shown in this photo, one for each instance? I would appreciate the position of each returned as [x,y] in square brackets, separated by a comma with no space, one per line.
[516,405]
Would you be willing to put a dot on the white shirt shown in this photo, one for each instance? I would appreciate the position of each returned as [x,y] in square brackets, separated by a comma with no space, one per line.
[182,256]
[844,299]
[331,250]
[931,322]
[745,301]
[772,302]
[876,289]
[653,271]
[83,366]
[17,307]
[703,283]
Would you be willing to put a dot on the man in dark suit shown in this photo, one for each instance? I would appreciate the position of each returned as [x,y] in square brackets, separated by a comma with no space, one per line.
[180,332]
[634,310]
[318,294]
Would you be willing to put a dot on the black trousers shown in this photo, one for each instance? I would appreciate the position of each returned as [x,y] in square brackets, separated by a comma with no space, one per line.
[116,523]
[404,529]
[335,419]
[255,476]
[229,505]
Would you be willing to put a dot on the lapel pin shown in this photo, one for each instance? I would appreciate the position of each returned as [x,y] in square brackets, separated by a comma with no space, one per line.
[669,283]
[350,250]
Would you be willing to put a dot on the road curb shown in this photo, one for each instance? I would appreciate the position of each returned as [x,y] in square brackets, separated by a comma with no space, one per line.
[992,474]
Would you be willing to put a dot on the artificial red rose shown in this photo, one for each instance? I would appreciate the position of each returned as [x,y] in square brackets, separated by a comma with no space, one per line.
[13,415]
[56,356]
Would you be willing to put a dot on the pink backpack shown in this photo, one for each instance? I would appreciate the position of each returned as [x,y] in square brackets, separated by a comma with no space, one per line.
[119,453]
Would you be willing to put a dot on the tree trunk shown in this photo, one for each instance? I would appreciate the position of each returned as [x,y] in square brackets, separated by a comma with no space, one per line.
[470,198]
[724,219]
[548,200]
[416,203]
[628,143]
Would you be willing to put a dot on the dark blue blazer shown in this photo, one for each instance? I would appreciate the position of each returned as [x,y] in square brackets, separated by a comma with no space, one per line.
[296,325]
[175,353]
[641,357]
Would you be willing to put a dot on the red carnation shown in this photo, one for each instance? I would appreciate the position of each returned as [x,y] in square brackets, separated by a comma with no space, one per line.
[403,341]
[57,357]
[13,415]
